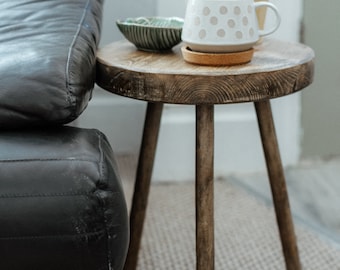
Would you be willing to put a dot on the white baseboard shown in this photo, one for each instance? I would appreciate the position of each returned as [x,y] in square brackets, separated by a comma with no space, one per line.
[238,147]
[237,142]
[120,119]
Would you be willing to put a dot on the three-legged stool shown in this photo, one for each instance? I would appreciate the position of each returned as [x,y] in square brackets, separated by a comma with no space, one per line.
[277,69]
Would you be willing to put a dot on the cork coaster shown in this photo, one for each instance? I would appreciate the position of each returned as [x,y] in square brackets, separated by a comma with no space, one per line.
[217,59]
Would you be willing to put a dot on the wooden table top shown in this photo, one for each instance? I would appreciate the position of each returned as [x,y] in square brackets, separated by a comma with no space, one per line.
[277,69]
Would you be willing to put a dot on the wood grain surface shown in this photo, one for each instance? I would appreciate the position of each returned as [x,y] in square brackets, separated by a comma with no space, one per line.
[278,68]
[205,243]
[278,184]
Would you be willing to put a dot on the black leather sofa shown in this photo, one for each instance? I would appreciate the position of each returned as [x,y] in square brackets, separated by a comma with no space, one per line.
[61,201]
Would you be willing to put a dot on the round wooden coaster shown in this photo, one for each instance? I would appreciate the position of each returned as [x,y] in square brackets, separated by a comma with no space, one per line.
[217,59]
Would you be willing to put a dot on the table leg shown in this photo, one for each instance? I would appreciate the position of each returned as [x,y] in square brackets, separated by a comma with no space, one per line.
[278,185]
[143,179]
[205,187]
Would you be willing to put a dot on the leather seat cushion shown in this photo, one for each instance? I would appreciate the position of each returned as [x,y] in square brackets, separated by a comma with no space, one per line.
[47,59]
[61,201]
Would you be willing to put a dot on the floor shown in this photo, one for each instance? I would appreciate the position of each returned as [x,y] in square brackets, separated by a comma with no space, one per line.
[246,235]
[314,191]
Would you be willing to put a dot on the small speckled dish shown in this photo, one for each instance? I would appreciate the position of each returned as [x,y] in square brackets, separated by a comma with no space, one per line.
[152,33]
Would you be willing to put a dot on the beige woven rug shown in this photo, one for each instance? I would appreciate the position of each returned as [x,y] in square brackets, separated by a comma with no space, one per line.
[246,235]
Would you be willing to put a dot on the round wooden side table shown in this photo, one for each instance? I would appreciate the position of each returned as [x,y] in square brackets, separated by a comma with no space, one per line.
[277,69]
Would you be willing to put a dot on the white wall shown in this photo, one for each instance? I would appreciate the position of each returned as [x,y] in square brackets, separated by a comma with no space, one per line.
[121,119]
[320,102]
[237,141]
[114,10]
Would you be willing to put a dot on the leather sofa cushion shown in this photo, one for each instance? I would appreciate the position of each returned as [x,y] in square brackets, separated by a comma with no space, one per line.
[61,201]
[47,59]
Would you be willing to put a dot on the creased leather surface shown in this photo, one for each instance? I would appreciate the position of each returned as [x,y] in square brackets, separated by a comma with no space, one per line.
[61,201]
[47,59]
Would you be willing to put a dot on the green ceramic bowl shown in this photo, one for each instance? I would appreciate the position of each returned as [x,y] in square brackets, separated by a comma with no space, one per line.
[152,33]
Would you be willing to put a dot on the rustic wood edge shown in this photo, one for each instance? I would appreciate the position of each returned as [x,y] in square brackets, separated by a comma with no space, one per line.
[199,89]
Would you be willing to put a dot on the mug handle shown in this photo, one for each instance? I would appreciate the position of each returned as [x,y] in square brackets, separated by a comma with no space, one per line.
[277,14]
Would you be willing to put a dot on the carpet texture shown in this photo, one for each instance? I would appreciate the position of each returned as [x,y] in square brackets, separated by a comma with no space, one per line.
[246,234]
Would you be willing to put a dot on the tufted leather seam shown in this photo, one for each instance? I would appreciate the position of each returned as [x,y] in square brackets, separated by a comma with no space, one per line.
[47,160]
[101,157]
[108,255]
[30,237]
[101,170]
[71,48]
[42,195]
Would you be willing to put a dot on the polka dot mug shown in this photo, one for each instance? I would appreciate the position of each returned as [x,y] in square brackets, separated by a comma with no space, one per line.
[223,26]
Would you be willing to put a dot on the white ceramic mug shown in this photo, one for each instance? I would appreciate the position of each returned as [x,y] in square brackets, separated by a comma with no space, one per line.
[223,26]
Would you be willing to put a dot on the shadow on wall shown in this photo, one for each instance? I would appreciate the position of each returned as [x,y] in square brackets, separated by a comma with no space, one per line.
[320,102]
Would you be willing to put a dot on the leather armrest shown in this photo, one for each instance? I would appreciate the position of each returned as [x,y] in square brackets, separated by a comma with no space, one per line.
[61,201]
[47,60]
